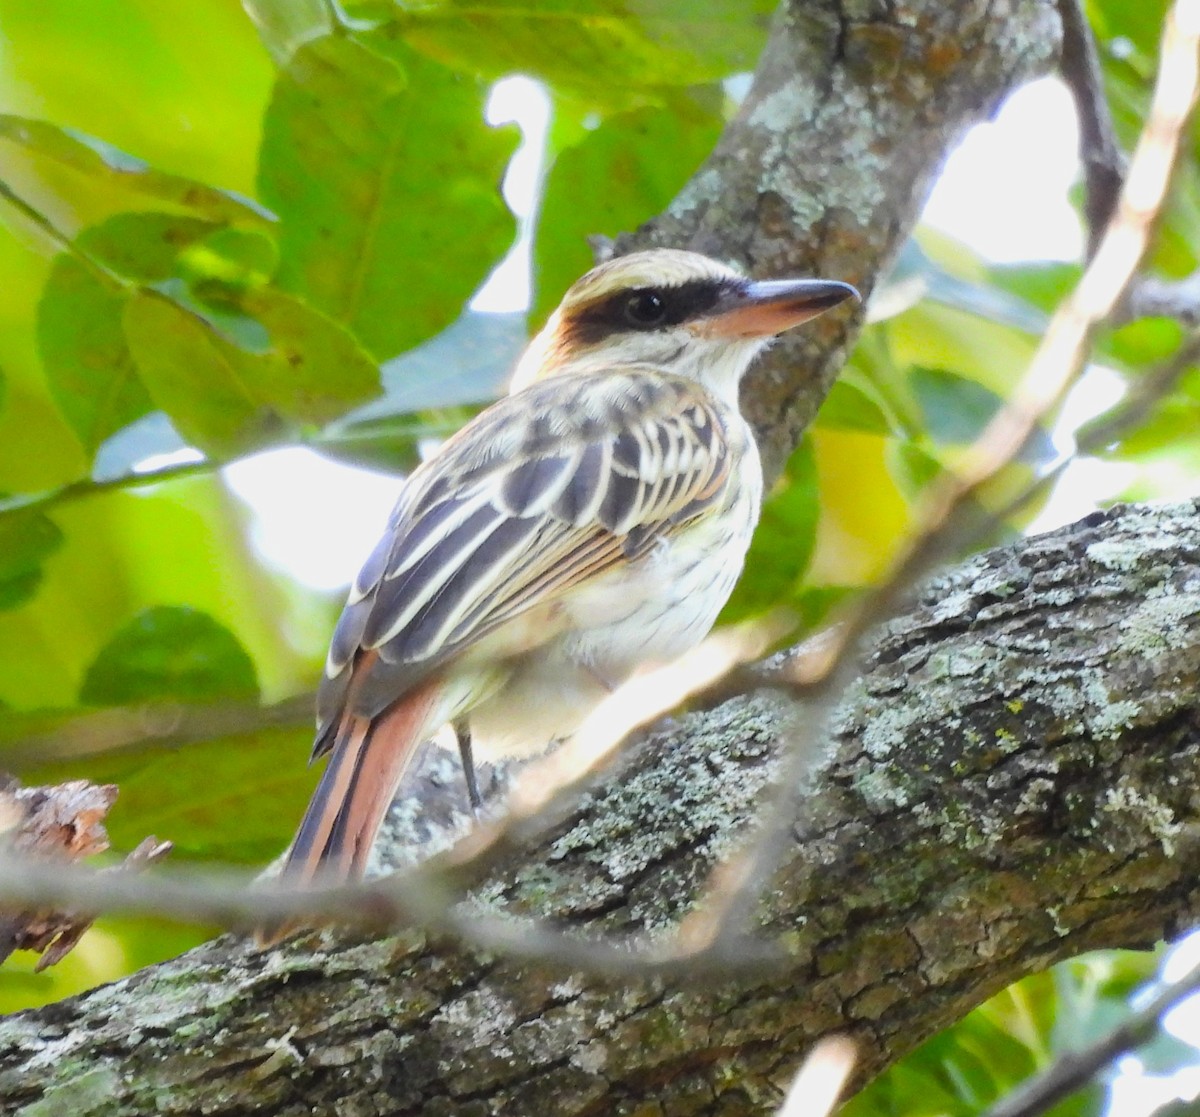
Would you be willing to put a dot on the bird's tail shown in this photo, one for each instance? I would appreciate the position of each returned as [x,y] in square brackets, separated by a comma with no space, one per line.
[368,760]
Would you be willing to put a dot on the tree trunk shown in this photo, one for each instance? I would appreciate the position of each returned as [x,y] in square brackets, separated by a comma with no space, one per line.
[1010,783]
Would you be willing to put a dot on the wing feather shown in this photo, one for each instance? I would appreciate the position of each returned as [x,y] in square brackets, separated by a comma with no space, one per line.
[540,493]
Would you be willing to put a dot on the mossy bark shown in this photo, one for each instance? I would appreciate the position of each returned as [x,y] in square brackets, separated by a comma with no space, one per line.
[1011,782]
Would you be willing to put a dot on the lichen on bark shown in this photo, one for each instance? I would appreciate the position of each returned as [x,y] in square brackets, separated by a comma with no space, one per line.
[981,813]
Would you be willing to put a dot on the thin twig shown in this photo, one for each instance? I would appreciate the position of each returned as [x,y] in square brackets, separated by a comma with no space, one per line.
[61,240]
[86,487]
[58,738]
[549,785]
[1103,163]
[1136,407]
[820,1081]
[1152,297]
[1074,1070]
[415,898]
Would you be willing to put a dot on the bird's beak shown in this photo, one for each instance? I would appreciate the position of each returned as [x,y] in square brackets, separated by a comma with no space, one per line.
[771,306]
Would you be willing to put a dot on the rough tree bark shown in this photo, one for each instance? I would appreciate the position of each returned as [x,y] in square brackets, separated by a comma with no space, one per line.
[1010,783]
[1005,789]
[853,108]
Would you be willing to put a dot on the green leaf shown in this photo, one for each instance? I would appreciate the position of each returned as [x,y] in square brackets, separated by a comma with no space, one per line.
[285,25]
[934,335]
[912,467]
[1140,23]
[170,652]
[91,373]
[464,365]
[3,388]
[100,161]
[236,799]
[951,274]
[1145,341]
[993,303]
[619,175]
[27,538]
[388,187]
[314,371]
[145,247]
[601,49]
[228,396]
[854,404]
[149,248]
[1044,283]
[815,603]
[197,377]
[957,410]
[229,260]
[390,444]
[783,542]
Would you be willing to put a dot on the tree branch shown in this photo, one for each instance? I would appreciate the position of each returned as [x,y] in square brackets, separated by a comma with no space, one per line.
[1001,794]
[1103,163]
[827,165]
[1152,297]
[1073,1070]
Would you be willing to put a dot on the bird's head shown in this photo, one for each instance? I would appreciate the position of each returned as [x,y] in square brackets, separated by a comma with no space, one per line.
[677,311]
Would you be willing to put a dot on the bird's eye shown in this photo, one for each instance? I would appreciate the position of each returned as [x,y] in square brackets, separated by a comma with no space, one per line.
[645,309]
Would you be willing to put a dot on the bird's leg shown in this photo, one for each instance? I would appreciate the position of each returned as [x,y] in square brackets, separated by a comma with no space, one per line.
[463,735]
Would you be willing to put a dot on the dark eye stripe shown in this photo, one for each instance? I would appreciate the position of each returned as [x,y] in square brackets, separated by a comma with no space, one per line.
[607,316]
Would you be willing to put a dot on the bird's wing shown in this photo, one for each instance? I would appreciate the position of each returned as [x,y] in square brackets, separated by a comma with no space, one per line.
[540,493]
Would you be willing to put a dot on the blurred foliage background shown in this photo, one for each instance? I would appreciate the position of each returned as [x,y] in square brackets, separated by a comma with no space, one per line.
[226,227]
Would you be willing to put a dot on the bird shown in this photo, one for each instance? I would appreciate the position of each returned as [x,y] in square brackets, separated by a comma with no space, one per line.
[592,521]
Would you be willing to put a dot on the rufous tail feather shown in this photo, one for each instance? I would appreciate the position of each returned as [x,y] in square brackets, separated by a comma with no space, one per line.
[365,767]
